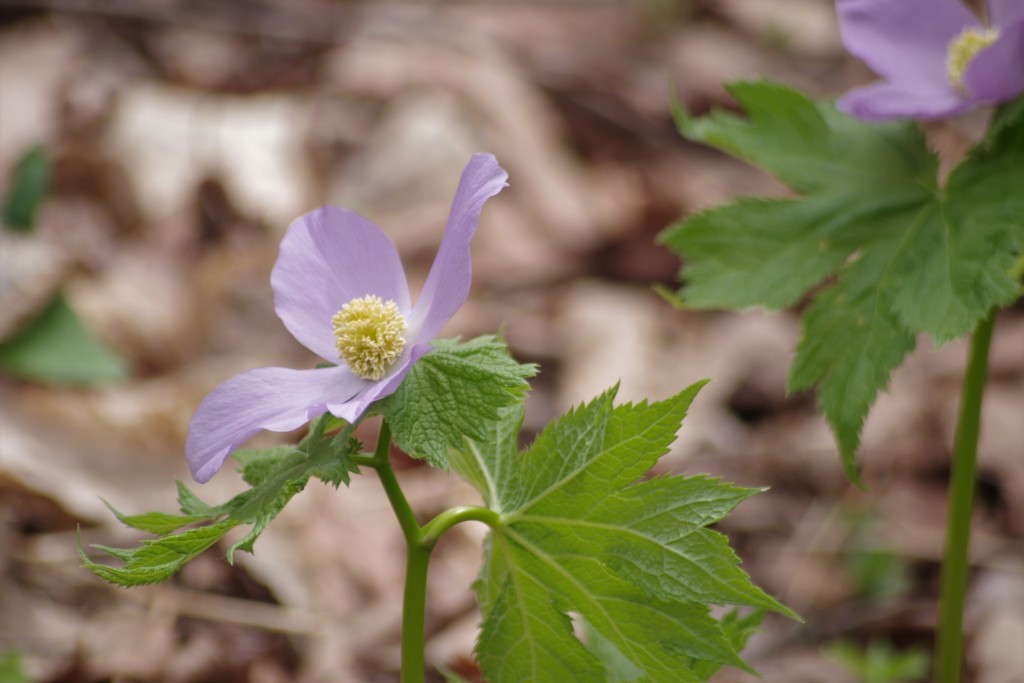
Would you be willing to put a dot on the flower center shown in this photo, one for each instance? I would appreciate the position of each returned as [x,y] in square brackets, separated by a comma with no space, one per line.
[369,332]
[962,50]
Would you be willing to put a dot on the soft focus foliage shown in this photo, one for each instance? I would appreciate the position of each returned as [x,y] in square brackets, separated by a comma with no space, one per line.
[910,256]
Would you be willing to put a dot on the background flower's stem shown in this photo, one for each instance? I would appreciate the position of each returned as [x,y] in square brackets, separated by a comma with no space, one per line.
[949,646]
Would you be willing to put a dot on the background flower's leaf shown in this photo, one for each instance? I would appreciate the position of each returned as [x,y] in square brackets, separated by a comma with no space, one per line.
[274,474]
[29,185]
[453,392]
[852,340]
[55,348]
[910,257]
[581,534]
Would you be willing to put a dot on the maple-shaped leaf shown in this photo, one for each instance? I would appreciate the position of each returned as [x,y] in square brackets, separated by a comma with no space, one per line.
[581,533]
[907,254]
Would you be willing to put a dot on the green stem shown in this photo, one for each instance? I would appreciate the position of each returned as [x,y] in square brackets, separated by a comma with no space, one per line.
[414,613]
[949,647]
[417,560]
[433,529]
[365,460]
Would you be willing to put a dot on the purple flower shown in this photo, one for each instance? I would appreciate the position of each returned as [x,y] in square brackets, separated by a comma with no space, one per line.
[937,60]
[340,289]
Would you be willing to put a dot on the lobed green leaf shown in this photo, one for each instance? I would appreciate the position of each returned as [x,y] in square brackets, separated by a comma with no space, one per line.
[582,536]
[453,392]
[893,254]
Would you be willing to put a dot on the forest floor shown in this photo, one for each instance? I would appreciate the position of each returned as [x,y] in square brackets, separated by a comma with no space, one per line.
[185,136]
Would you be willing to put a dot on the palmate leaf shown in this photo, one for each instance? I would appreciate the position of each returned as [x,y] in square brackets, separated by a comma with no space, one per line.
[580,534]
[275,476]
[453,392]
[910,256]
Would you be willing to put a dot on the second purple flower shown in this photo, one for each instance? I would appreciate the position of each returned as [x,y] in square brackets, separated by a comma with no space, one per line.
[936,58]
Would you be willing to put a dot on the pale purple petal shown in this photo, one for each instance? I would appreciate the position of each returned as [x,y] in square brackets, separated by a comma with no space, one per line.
[276,399]
[1004,12]
[905,41]
[885,101]
[329,257]
[447,285]
[996,74]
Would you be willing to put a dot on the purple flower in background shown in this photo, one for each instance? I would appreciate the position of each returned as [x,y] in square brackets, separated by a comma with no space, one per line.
[937,60]
[340,289]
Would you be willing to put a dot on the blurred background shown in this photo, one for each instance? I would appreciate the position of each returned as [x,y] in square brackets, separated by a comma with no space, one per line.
[169,143]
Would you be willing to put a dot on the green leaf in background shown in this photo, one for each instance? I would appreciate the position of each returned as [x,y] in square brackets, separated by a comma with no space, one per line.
[907,256]
[879,662]
[275,476]
[737,628]
[29,185]
[56,349]
[452,393]
[11,670]
[581,533]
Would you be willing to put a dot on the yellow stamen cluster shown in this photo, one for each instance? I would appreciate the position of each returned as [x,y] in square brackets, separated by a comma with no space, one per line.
[370,335]
[962,50]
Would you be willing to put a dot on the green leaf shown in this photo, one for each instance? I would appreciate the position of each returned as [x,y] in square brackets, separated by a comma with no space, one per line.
[618,669]
[56,349]
[275,476]
[879,662]
[453,392]
[581,533]
[1006,115]
[159,523]
[11,670]
[893,254]
[156,560]
[851,343]
[29,185]
[190,504]
[738,629]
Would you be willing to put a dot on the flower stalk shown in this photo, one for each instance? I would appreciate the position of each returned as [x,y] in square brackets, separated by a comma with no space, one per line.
[955,565]
[417,559]
[419,542]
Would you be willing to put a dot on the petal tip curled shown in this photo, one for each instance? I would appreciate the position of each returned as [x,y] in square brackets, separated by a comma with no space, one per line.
[448,282]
